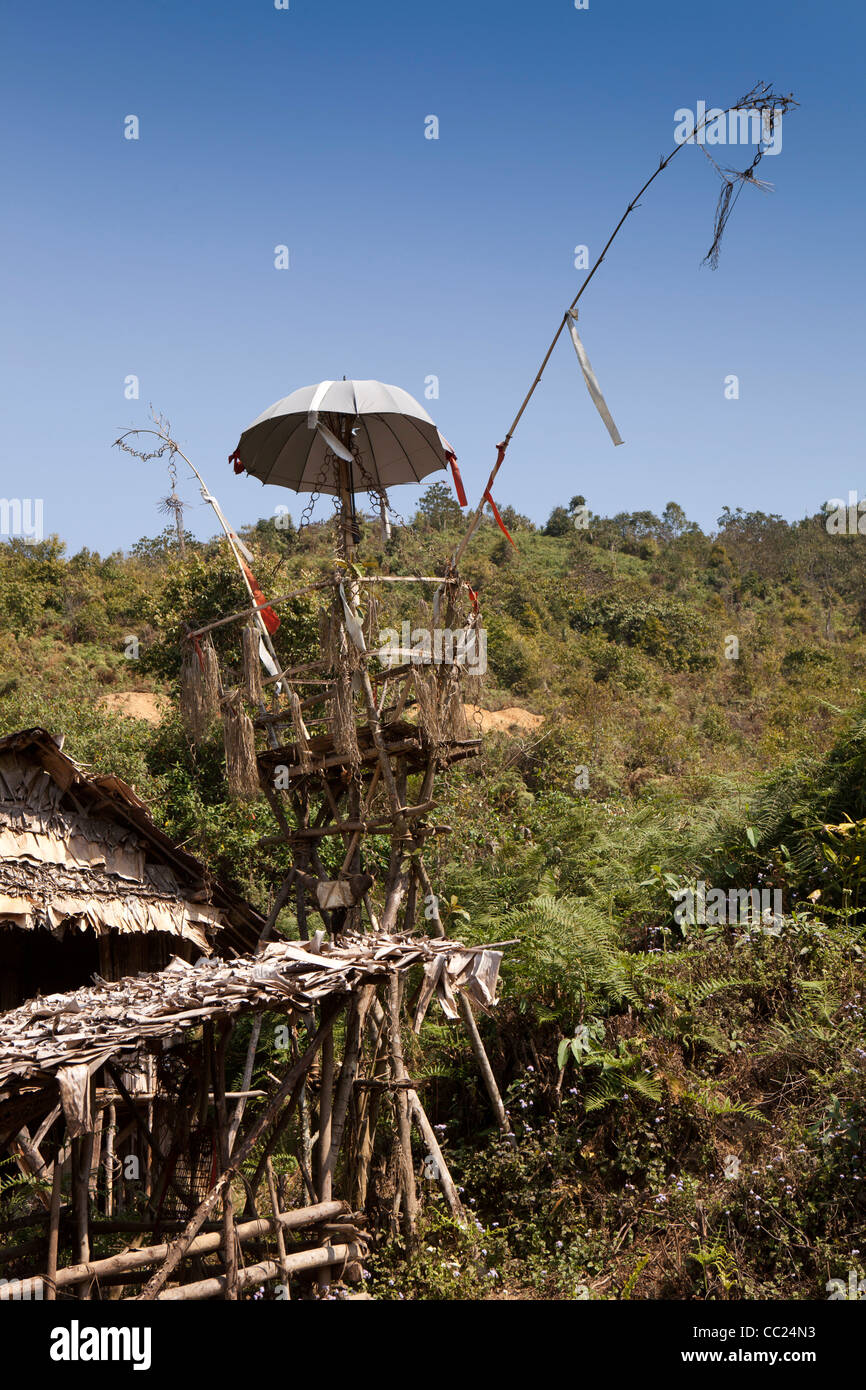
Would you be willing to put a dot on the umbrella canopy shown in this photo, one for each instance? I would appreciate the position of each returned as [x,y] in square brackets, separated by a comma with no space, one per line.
[297,442]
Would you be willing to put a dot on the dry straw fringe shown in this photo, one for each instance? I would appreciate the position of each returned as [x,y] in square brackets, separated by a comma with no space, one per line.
[427,695]
[252,666]
[302,737]
[330,629]
[341,713]
[199,688]
[240,744]
[453,719]
[371,623]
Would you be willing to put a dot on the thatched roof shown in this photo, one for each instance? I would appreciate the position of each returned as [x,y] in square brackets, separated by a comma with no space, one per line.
[82,849]
[43,1038]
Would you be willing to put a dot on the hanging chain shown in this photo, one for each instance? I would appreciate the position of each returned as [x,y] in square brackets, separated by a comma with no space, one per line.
[307,513]
[376,490]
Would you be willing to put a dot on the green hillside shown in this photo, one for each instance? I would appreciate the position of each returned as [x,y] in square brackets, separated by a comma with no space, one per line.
[688,1097]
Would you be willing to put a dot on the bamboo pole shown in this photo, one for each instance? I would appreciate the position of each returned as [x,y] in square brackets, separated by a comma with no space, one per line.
[356,1017]
[324,1177]
[139,1258]
[468,1018]
[281,1240]
[297,1263]
[96,1155]
[217,1068]
[110,1131]
[53,1230]
[368,1111]
[635,202]
[326,1098]
[30,1161]
[82,1152]
[240,1155]
[279,903]
[247,1078]
[443,1173]
[446,1182]
[150,1145]
[398,1069]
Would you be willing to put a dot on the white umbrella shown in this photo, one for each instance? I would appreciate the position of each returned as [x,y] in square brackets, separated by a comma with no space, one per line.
[341,436]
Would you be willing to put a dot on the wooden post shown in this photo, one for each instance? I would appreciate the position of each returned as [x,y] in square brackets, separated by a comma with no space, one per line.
[240,1155]
[299,1261]
[247,1077]
[368,1111]
[82,1153]
[306,1157]
[218,1080]
[324,1180]
[150,1147]
[281,1240]
[54,1228]
[357,1013]
[331,1217]
[323,1148]
[468,1018]
[110,1131]
[427,1132]
[96,1156]
[300,897]
[398,1070]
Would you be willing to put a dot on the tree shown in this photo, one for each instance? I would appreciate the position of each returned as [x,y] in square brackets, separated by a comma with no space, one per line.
[674,519]
[559,523]
[438,509]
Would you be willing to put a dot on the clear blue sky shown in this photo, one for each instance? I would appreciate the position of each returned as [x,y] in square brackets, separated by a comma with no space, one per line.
[412,257]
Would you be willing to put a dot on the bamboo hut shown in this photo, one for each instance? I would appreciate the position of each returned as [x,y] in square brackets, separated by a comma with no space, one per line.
[90,885]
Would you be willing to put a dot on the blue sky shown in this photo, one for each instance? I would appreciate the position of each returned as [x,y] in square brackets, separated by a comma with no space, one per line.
[412,257]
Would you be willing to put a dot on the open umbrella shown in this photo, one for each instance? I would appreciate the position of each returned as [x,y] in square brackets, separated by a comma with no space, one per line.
[339,436]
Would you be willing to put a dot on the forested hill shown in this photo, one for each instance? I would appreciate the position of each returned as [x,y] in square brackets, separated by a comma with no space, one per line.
[688,1095]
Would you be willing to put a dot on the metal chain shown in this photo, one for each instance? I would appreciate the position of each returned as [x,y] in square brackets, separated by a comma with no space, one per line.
[375,490]
[307,513]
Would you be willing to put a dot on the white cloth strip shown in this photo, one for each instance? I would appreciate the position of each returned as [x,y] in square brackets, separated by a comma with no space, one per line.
[353,627]
[334,443]
[591,383]
[313,412]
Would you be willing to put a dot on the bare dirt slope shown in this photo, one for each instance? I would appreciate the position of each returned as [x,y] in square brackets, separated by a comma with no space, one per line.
[135,704]
[511,720]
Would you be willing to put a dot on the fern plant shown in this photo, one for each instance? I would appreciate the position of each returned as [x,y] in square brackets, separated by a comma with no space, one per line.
[569,960]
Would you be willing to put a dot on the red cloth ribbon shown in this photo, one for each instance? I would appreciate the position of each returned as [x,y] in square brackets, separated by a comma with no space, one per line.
[235,458]
[200,654]
[499,522]
[473,594]
[269,617]
[458,481]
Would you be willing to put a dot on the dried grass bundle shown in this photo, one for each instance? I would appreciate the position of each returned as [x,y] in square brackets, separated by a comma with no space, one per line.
[371,622]
[242,770]
[341,713]
[302,735]
[199,687]
[453,722]
[427,695]
[329,639]
[252,682]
